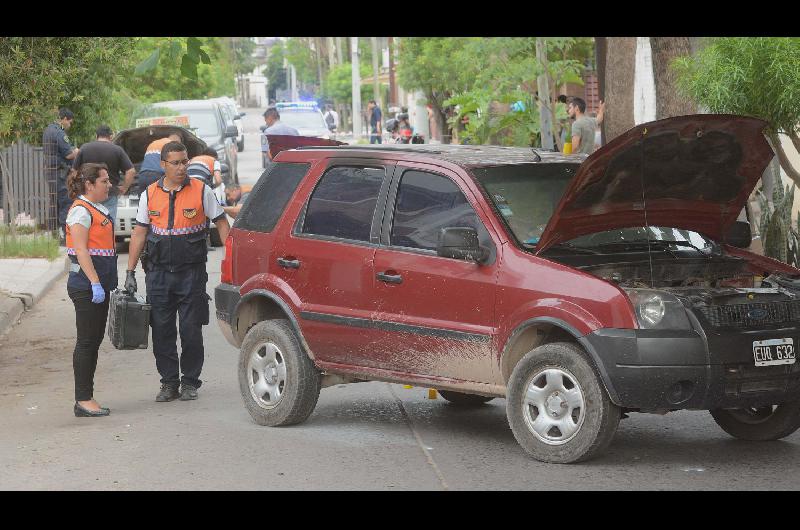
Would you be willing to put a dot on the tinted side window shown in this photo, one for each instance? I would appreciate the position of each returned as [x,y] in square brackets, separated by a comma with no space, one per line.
[426,203]
[270,195]
[343,203]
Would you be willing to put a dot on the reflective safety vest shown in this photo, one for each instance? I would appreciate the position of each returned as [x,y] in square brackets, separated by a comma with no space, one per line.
[101,249]
[152,155]
[178,225]
[202,166]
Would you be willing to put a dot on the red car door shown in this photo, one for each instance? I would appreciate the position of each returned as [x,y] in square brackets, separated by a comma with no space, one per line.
[436,313]
[326,259]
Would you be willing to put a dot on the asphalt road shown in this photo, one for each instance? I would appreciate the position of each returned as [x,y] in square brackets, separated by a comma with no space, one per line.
[373,436]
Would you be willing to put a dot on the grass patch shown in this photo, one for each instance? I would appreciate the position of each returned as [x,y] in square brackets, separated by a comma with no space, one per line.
[28,244]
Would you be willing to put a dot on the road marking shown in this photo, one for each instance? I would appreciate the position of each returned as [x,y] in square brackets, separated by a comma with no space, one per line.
[419,439]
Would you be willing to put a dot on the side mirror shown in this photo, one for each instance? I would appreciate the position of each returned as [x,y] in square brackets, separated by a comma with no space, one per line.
[241,115]
[263,128]
[739,235]
[461,243]
[223,167]
[231,131]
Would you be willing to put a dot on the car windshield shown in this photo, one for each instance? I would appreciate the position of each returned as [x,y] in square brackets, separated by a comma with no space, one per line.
[202,122]
[526,194]
[302,119]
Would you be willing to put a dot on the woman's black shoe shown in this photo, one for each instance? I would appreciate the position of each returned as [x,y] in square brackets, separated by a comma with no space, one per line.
[81,412]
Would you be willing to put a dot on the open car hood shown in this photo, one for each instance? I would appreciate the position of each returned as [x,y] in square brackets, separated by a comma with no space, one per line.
[135,141]
[282,142]
[693,172]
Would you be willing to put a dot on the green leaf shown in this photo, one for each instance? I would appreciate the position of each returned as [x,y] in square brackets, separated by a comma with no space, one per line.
[174,50]
[189,67]
[148,64]
[204,57]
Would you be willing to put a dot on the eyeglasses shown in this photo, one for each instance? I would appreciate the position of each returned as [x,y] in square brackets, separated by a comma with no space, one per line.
[176,163]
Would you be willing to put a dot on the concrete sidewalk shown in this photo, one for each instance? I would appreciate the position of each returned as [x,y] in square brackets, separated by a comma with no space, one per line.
[23,282]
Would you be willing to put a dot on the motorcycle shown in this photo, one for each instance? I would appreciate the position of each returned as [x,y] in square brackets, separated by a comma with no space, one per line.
[402,132]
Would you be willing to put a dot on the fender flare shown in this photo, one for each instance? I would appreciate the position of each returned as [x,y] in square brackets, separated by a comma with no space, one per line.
[287,310]
[581,339]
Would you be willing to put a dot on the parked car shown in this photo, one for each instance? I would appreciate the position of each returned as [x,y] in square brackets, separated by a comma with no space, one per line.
[207,119]
[135,142]
[304,116]
[236,116]
[579,289]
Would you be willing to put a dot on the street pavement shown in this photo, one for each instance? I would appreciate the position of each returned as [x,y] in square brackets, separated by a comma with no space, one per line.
[364,436]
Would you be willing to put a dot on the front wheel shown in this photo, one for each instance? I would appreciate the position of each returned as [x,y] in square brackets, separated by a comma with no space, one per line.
[557,406]
[760,424]
[278,382]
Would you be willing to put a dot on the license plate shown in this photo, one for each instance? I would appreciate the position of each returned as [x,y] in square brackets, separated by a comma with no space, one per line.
[773,351]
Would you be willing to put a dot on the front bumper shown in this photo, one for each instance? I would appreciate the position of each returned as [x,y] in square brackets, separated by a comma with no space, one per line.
[655,369]
[126,216]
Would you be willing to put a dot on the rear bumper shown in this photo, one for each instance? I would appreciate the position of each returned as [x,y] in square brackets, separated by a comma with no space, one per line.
[649,369]
[226,298]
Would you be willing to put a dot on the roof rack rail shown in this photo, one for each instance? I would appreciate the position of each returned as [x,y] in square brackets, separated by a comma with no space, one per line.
[366,148]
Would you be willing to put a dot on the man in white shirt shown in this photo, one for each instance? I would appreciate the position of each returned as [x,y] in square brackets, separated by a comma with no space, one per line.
[274,125]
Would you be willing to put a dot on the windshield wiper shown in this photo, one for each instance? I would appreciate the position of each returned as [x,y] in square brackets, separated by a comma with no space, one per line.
[570,248]
[655,242]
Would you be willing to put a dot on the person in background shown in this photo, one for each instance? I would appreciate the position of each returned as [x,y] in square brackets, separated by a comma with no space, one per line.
[274,126]
[206,167]
[375,118]
[92,274]
[583,129]
[331,118]
[172,221]
[102,151]
[59,154]
[234,200]
[151,170]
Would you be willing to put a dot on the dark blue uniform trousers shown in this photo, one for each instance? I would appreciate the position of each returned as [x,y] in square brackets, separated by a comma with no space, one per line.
[181,293]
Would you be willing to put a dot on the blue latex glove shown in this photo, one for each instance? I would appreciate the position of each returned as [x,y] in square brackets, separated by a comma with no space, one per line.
[98,293]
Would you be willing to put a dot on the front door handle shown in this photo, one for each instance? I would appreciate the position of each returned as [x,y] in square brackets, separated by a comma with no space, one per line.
[289,263]
[389,278]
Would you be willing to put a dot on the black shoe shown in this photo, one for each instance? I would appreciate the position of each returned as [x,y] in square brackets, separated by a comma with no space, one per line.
[81,412]
[188,392]
[167,393]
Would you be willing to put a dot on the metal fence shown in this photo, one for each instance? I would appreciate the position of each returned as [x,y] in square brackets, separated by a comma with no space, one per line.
[27,199]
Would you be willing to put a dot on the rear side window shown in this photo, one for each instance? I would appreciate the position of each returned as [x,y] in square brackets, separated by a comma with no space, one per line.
[426,203]
[343,203]
[269,197]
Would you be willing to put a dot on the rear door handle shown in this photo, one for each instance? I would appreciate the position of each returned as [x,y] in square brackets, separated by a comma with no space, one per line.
[389,278]
[289,263]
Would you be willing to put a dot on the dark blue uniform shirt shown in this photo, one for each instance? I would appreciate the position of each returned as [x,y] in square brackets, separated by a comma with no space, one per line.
[56,146]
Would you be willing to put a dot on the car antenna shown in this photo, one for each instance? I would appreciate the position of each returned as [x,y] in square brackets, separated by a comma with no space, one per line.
[538,158]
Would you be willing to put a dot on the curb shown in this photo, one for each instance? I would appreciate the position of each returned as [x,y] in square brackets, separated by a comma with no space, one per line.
[12,305]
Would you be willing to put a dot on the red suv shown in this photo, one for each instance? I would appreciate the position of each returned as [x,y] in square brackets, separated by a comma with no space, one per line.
[579,289]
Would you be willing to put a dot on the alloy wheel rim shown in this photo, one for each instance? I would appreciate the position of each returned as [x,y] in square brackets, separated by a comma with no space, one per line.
[266,375]
[553,406]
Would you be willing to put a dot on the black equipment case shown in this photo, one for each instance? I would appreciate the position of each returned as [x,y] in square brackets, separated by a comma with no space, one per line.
[128,320]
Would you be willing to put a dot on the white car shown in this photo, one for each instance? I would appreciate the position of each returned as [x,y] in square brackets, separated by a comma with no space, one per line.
[304,116]
[236,115]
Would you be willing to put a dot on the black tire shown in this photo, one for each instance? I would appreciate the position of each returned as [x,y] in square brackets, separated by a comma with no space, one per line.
[595,421]
[464,400]
[759,424]
[264,160]
[301,383]
[215,239]
[240,145]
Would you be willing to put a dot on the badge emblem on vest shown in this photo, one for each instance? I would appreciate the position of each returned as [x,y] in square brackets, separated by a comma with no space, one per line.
[104,223]
[154,213]
[189,213]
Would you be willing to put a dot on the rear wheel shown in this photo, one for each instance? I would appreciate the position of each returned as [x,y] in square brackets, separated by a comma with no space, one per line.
[464,400]
[557,406]
[240,145]
[770,422]
[278,382]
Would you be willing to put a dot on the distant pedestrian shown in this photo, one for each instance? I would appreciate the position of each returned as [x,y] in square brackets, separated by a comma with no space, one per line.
[331,118]
[151,170]
[583,129]
[206,167]
[92,274]
[102,151]
[59,154]
[375,118]
[274,125]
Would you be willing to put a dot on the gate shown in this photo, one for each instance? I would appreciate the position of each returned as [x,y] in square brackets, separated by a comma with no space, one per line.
[26,197]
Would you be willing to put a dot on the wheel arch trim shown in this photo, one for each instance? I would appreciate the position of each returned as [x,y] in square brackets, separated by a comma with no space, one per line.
[285,308]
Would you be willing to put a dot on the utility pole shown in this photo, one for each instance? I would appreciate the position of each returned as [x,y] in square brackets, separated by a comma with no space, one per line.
[331,53]
[376,70]
[543,87]
[339,51]
[356,89]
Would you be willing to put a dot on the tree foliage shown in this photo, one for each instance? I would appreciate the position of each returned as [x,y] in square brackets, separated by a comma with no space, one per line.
[39,75]
[275,71]
[339,84]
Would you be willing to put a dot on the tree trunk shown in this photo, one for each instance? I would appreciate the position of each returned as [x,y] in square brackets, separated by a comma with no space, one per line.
[786,164]
[795,141]
[439,116]
[617,84]
[669,102]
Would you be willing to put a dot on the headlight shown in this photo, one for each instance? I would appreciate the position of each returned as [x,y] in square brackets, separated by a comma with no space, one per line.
[658,309]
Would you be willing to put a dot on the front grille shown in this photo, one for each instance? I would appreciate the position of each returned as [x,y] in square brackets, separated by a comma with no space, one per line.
[753,314]
[745,379]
